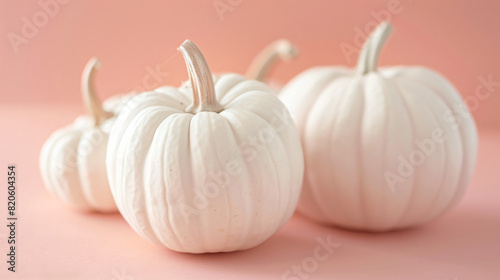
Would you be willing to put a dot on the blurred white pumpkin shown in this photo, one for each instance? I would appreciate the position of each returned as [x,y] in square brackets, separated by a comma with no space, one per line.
[212,168]
[384,148]
[72,160]
[264,61]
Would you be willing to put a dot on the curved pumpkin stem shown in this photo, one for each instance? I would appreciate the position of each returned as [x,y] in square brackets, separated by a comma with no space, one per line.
[92,103]
[368,58]
[265,59]
[201,78]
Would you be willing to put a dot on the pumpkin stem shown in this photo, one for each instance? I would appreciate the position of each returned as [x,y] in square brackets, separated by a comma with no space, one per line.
[371,48]
[201,78]
[92,103]
[265,59]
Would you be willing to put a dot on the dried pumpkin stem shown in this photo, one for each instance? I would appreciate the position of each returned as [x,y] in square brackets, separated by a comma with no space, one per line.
[370,52]
[202,82]
[92,103]
[266,59]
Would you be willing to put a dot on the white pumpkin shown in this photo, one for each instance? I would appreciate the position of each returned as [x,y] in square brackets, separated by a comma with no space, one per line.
[219,171]
[384,149]
[72,160]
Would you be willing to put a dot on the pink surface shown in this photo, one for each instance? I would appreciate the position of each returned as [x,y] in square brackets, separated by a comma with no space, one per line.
[58,243]
[39,92]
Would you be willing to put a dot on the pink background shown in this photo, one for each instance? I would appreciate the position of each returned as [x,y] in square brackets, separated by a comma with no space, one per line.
[39,92]
[457,38]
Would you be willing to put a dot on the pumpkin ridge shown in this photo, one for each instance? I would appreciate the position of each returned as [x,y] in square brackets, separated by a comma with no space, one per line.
[271,159]
[148,191]
[335,120]
[227,193]
[431,209]
[368,82]
[175,230]
[270,98]
[222,92]
[190,156]
[46,159]
[76,196]
[79,191]
[247,208]
[404,102]
[359,142]
[290,198]
[457,193]
[386,132]
[351,91]
[200,167]
[324,83]
[387,92]
[381,85]
[147,216]
[280,184]
[245,92]
[89,188]
[119,143]
[144,116]
[228,198]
